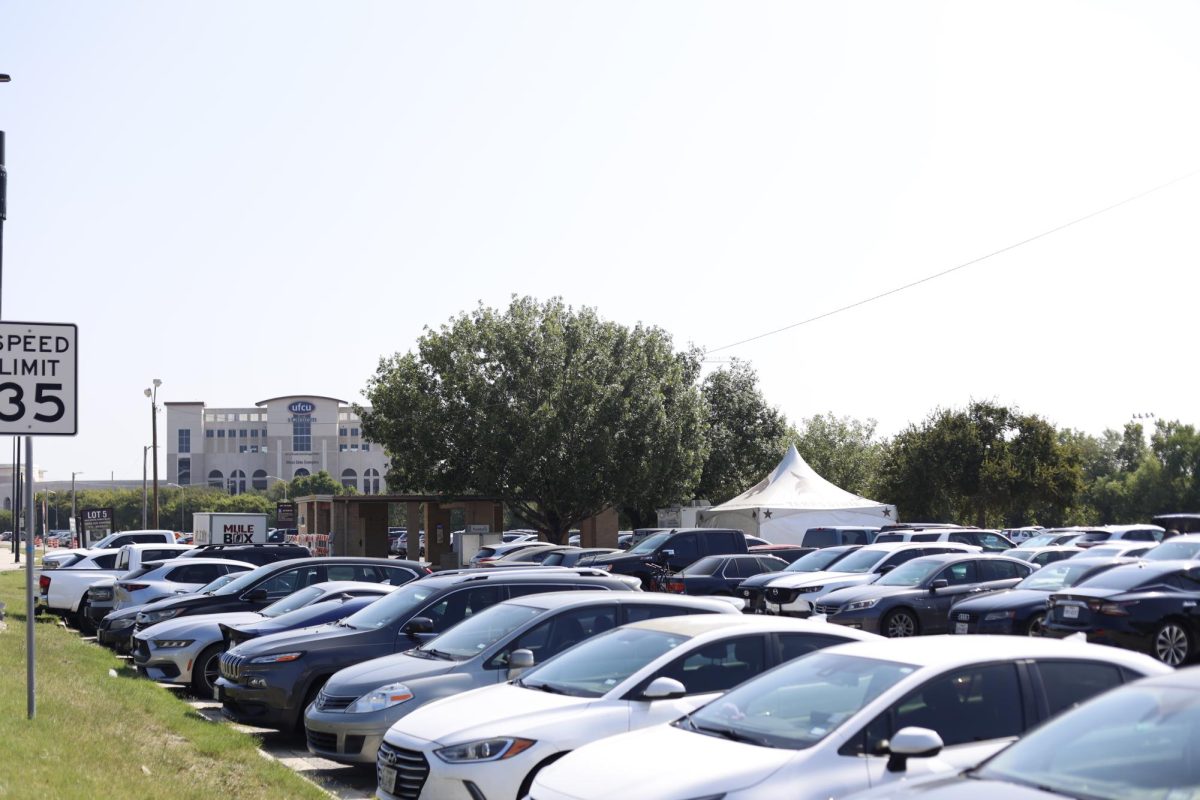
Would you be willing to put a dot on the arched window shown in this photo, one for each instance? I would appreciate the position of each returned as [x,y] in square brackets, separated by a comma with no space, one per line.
[237,482]
[216,479]
[371,481]
[260,480]
[349,478]
[300,473]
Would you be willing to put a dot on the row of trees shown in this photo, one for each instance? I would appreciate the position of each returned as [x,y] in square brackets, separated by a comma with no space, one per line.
[562,413]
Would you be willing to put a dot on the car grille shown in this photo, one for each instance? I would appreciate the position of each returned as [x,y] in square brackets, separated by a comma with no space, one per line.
[411,769]
[963,617]
[322,741]
[827,608]
[231,666]
[777,595]
[327,702]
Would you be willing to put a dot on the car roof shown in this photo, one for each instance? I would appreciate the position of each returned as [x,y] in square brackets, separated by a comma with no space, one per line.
[517,574]
[695,625]
[346,586]
[1159,567]
[575,597]
[893,546]
[947,651]
[154,545]
[950,558]
[182,562]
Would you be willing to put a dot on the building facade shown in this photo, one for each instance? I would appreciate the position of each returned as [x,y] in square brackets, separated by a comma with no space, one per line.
[243,449]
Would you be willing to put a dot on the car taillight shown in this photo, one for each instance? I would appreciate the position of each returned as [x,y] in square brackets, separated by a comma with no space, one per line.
[44,583]
[675,586]
[134,587]
[1116,609]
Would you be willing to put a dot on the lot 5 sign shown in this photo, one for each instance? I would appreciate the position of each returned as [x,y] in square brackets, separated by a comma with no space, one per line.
[39,362]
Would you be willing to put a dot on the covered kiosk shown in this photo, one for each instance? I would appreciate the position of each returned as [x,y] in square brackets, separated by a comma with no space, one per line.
[792,499]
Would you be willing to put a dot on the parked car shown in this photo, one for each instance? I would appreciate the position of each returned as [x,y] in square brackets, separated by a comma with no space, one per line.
[1176,548]
[847,718]
[1021,610]
[1018,535]
[495,552]
[259,554]
[1135,741]
[187,651]
[1041,556]
[989,541]
[718,574]
[915,598]
[797,594]
[528,556]
[1109,533]
[1120,549]
[114,541]
[670,551]
[836,535]
[788,552]
[498,738]
[752,589]
[154,580]
[116,628]
[755,541]
[1149,607]
[572,556]
[358,704]
[1180,523]
[268,682]
[1051,538]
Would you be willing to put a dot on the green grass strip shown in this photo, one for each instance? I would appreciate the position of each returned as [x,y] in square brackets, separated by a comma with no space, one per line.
[99,736]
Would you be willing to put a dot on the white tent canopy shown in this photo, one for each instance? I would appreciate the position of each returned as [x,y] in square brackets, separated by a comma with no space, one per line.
[792,499]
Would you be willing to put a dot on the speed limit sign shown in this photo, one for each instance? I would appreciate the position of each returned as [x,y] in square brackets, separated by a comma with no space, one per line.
[39,362]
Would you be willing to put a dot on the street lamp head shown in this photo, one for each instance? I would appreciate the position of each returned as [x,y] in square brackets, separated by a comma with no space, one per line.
[157,383]
[146,392]
[5,78]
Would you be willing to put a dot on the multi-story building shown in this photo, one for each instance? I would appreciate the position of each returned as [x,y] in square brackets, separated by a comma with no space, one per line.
[239,449]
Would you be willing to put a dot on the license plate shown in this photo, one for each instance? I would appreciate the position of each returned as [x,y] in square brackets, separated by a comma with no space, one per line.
[1070,612]
[960,627]
[387,779]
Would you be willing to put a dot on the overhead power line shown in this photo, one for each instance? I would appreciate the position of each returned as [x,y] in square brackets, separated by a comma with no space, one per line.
[964,265]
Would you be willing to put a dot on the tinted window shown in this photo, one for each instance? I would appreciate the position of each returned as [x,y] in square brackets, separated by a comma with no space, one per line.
[820,537]
[997,570]
[884,538]
[721,542]
[1069,683]
[196,573]
[967,705]
[1130,577]
[990,541]
[637,612]
[856,537]
[926,537]
[903,557]
[718,666]
[122,561]
[958,574]
[105,562]
[460,604]
[1183,581]
[290,580]
[794,645]
[160,555]
[705,566]
[684,547]
[741,567]
[565,630]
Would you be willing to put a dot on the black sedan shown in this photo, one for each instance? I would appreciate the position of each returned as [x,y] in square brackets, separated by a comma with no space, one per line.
[751,589]
[718,575]
[915,597]
[1022,609]
[1151,606]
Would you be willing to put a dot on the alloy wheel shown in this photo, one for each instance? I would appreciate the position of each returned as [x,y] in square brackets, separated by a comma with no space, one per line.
[1171,644]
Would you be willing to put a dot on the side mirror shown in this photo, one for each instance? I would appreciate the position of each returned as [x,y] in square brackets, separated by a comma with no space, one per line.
[418,625]
[518,661]
[940,583]
[886,568]
[256,595]
[664,688]
[912,743]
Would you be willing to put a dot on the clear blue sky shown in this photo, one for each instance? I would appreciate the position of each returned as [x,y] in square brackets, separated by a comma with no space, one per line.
[255,199]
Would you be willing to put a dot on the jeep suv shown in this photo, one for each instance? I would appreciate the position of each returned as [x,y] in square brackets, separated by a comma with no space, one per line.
[269,681]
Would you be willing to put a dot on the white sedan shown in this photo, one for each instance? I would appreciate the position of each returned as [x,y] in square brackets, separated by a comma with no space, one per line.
[848,718]
[491,742]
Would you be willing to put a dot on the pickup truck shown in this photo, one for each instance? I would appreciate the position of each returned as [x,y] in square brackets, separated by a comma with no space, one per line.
[55,559]
[64,591]
[669,551]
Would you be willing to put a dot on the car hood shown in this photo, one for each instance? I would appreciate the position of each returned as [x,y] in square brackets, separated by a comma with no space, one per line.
[501,710]
[616,558]
[714,765]
[396,668]
[189,627]
[796,580]
[1004,601]
[955,787]
[762,579]
[301,637]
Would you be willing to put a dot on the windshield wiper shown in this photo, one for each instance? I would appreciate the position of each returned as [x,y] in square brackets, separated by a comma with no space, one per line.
[435,653]
[544,687]
[728,733]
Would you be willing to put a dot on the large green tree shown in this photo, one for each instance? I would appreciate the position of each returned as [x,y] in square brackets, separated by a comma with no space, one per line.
[985,465]
[556,411]
[843,450]
[746,435]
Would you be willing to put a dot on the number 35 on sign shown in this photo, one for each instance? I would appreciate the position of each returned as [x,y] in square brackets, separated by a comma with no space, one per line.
[39,362]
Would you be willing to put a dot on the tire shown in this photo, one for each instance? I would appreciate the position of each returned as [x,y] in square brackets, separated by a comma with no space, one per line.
[85,626]
[205,672]
[309,697]
[900,623]
[527,784]
[1036,625]
[1172,644]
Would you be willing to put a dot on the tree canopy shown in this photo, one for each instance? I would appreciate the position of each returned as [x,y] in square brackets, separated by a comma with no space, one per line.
[556,411]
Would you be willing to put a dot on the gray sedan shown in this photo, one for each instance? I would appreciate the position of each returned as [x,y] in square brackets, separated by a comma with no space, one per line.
[358,704]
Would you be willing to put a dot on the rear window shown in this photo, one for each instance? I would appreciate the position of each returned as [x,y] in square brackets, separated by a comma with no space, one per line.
[1095,536]
[705,566]
[1131,577]
[820,537]
[884,538]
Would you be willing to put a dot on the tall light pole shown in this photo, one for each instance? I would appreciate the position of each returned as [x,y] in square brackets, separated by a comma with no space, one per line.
[145,449]
[3,203]
[53,509]
[152,393]
[183,502]
[285,486]
[74,522]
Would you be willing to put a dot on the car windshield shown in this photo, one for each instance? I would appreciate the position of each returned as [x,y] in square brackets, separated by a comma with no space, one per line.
[1024,555]
[1056,576]
[861,561]
[1043,540]
[1134,742]
[245,580]
[1107,550]
[705,566]
[1170,551]
[1094,536]
[596,666]
[1123,578]
[650,544]
[219,582]
[800,703]
[473,635]
[910,574]
[817,560]
[391,608]
[293,601]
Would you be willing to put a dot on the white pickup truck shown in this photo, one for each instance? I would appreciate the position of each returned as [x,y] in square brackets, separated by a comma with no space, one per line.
[55,559]
[64,591]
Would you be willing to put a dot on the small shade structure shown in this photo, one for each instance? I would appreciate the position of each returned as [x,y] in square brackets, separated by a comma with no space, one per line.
[792,499]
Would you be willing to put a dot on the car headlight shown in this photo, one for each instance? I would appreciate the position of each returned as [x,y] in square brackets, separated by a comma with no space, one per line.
[384,697]
[807,589]
[163,644]
[150,617]
[276,658]
[121,624]
[495,749]
[861,605]
[999,615]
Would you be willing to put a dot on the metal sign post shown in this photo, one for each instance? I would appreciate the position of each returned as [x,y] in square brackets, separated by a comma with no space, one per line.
[39,362]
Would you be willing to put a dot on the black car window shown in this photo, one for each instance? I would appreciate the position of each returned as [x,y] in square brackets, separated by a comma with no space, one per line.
[993,569]
[925,537]
[719,541]
[770,564]
[1183,581]
[794,645]
[290,580]
[967,705]
[636,612]
[551,637]
[196,573]
[684,547]
[160,555]
[741,568]
[1069,683]
[856,537]
[105,561]
[903,557]
[460,604]
[958,574]
[393,576]
[705,566]
[820,537]
[718,666]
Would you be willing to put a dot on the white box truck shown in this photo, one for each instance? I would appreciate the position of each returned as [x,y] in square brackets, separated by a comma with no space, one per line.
[229,528]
